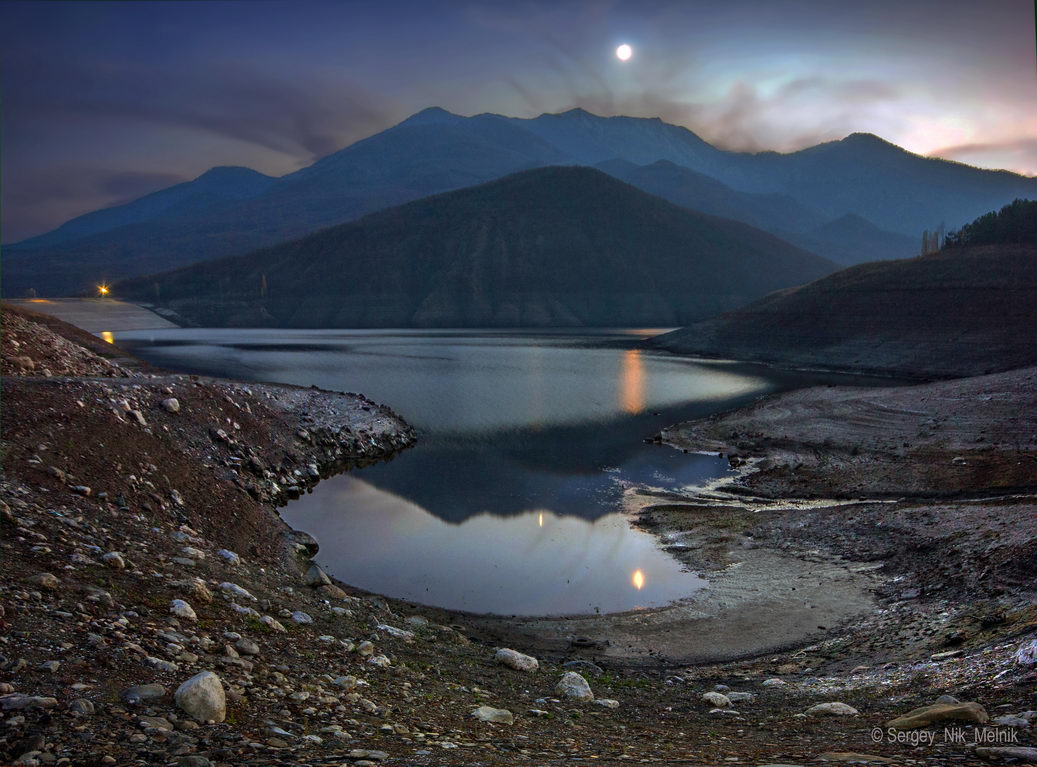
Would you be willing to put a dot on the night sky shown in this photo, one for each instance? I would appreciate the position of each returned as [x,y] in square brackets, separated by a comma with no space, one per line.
[103,102]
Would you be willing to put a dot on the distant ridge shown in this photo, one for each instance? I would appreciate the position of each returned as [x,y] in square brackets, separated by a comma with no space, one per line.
[965,310]
[557,246]
[436,151]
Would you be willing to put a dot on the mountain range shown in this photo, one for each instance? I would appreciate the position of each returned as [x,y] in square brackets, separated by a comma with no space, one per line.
[890,194]
[556,246]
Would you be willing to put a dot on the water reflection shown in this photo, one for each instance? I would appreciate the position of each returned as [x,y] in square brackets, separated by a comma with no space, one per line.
[374,539]
[632,383]
[638,579]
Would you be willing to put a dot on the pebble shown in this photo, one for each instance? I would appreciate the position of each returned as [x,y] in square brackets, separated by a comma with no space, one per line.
[831,709]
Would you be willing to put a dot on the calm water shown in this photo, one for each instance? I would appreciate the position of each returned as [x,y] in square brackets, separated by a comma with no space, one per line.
[509,502]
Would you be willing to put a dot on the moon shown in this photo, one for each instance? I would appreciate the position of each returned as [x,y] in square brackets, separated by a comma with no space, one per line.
[624,52]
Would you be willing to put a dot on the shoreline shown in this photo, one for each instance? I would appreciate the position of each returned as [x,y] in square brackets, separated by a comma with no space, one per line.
[141,546]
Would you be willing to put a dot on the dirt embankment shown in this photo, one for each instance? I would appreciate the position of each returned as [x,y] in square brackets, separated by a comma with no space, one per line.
[960,312]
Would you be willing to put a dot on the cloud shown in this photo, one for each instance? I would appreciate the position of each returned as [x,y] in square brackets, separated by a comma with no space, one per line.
[1019,154]
[305,118]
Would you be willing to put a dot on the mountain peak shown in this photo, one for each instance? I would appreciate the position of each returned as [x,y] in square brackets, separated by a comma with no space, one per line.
[431,116]
[868,139]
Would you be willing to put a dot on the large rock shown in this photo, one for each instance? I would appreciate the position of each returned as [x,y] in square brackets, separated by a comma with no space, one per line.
[491,714]
[516,660]
[717,699]
[831,709]
[572,685]
[940,712]
[182,609]
[202,697]
[316,577]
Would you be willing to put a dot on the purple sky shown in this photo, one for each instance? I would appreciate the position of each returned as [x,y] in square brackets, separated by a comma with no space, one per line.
[104,102]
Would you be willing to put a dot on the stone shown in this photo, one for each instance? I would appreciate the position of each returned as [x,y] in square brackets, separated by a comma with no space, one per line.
[273,624]
[773,682]
[572,685]
[202,697]
[182,609]
[44,581]
[380,661]
[1011,721]
[17,701]
[584,667]
[347,683]
[365,648]
[950,699]
[171,405]
[300,617]
[156,722]
[81,706]
[1026,654]
[143,693]
[396,632]
[516,660]
[114,560]
[738,697]
[229,557]
[831,709]
[363,753]
[940,712]
[316,577]
[606,702]
[246,646]
[850,757]
[998,753]
[236,590]
[491,714]
[331,591]
[717,699]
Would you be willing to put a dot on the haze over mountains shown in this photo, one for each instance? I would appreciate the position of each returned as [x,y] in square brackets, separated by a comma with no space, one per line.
[545,247]
[803,196]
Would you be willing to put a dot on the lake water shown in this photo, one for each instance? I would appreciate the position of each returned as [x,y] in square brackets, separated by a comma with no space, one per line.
[509,503]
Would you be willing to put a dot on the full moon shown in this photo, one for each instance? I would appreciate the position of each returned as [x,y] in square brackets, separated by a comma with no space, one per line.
[624,52]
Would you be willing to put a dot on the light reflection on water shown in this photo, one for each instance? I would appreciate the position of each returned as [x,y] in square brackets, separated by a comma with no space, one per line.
[508,504]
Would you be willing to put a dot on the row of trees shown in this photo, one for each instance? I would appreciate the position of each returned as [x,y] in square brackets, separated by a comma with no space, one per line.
[1014,223]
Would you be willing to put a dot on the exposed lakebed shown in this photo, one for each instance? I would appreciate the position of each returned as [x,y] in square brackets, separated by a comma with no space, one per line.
[510,502]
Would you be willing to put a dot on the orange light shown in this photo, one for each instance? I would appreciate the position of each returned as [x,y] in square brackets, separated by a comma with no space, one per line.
[638,579]
[102,289]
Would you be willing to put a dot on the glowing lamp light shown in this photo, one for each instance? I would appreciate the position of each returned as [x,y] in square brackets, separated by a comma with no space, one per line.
[638,579]
[102,290]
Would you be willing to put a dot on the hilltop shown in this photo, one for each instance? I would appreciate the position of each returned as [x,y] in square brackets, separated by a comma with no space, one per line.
[560,246]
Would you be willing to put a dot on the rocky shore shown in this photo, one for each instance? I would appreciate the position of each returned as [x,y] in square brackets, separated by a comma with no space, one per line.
[156,611]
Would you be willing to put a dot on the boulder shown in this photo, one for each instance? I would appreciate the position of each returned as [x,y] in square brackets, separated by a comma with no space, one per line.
[717,699]
[182,609]
[940,712]
[516,660]
[202,697]
[491,714]
[572,685]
